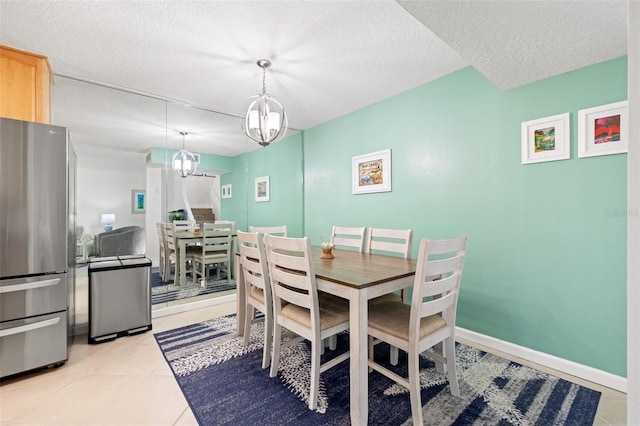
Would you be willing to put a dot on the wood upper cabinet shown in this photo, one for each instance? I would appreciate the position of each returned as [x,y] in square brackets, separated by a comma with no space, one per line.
[25,85]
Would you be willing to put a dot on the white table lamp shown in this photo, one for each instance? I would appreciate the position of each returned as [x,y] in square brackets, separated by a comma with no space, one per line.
[108,219]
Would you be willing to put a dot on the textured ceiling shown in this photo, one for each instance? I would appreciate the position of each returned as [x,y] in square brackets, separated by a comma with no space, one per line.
[329,57]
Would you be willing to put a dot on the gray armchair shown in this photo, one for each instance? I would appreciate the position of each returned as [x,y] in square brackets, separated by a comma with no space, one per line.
[122,241]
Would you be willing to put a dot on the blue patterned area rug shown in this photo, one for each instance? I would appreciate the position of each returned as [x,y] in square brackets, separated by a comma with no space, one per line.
[225,385]
[167,291]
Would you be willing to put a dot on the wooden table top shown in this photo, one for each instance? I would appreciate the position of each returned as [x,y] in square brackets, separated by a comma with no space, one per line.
[361,270]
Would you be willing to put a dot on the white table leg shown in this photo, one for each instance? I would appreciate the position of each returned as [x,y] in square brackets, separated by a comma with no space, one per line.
[183,265]
[359,378]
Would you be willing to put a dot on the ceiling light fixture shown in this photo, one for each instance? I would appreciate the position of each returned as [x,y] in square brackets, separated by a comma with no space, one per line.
[183,162]
[266,120]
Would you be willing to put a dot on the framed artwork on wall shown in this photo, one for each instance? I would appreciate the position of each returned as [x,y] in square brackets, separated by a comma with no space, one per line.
[546,139]
[603,130]
[262,189]
[138,201]
[371,172]
[226,191]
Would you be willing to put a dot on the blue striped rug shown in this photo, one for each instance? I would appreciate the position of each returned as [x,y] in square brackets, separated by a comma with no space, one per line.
[225,385]
[167,291]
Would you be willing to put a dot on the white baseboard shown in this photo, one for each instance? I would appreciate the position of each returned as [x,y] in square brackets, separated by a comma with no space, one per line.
[192,305]
[569,367]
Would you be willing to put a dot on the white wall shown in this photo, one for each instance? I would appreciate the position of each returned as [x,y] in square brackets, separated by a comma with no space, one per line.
[105,180]
[633,219]
[201,192]
[155,212]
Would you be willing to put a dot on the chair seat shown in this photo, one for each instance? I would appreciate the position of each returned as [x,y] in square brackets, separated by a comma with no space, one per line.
[330,315]
[393,318]
[209,256]
[257,294]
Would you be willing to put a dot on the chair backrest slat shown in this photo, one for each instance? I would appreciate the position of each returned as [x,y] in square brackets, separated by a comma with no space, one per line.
[390,240]
[272,230]
[184,225]
[344,236]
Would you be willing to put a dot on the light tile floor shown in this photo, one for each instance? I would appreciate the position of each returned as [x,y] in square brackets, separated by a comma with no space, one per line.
[128,382]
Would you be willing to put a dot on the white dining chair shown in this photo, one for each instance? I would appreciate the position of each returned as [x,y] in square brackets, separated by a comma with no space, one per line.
[424,324]
[253,266]
[280,230]
[390,241]
[299,308]
[352,237]
[215,249]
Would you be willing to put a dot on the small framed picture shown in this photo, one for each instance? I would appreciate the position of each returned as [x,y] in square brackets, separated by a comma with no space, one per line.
[371,172]
[546,139]
[138,201]
[226,191]
[262,189]
[603,130]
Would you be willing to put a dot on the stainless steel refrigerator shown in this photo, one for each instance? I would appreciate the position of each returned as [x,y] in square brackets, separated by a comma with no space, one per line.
[37,245]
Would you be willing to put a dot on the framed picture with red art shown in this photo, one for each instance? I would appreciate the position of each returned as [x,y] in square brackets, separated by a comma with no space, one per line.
[603,130]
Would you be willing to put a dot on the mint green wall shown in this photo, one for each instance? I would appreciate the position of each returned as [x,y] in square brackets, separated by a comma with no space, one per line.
[546,259]
[282,162]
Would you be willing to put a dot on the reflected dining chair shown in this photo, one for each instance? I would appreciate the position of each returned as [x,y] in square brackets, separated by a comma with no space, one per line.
[299,308]
[184,225]
[424,324]
[343,236]
[164,260]
[226,224]
[215,249]
[280,231]
[253,266]
[174,228]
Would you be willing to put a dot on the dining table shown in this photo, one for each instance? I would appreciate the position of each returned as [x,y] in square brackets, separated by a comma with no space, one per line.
[357,277]
[185,238]
[194,238]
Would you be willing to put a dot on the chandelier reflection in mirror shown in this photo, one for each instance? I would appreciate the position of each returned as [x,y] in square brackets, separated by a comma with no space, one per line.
[266,119]
[183,162]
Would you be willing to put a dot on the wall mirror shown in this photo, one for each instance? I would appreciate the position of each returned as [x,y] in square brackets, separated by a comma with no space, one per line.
[124,142]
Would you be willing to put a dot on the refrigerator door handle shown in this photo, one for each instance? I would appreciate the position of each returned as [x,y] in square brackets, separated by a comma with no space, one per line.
[29,327]
[29,286]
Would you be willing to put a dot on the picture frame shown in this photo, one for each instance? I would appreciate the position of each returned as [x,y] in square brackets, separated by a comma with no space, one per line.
[546,139]
[603,130]
[262,189]
[226,191]
[138,201]
[371,172]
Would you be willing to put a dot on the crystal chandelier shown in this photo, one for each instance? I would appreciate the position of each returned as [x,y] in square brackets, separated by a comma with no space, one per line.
[266,120]
[183,162]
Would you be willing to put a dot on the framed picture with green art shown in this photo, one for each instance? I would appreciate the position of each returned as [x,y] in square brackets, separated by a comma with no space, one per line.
[138,201]
[546,139]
